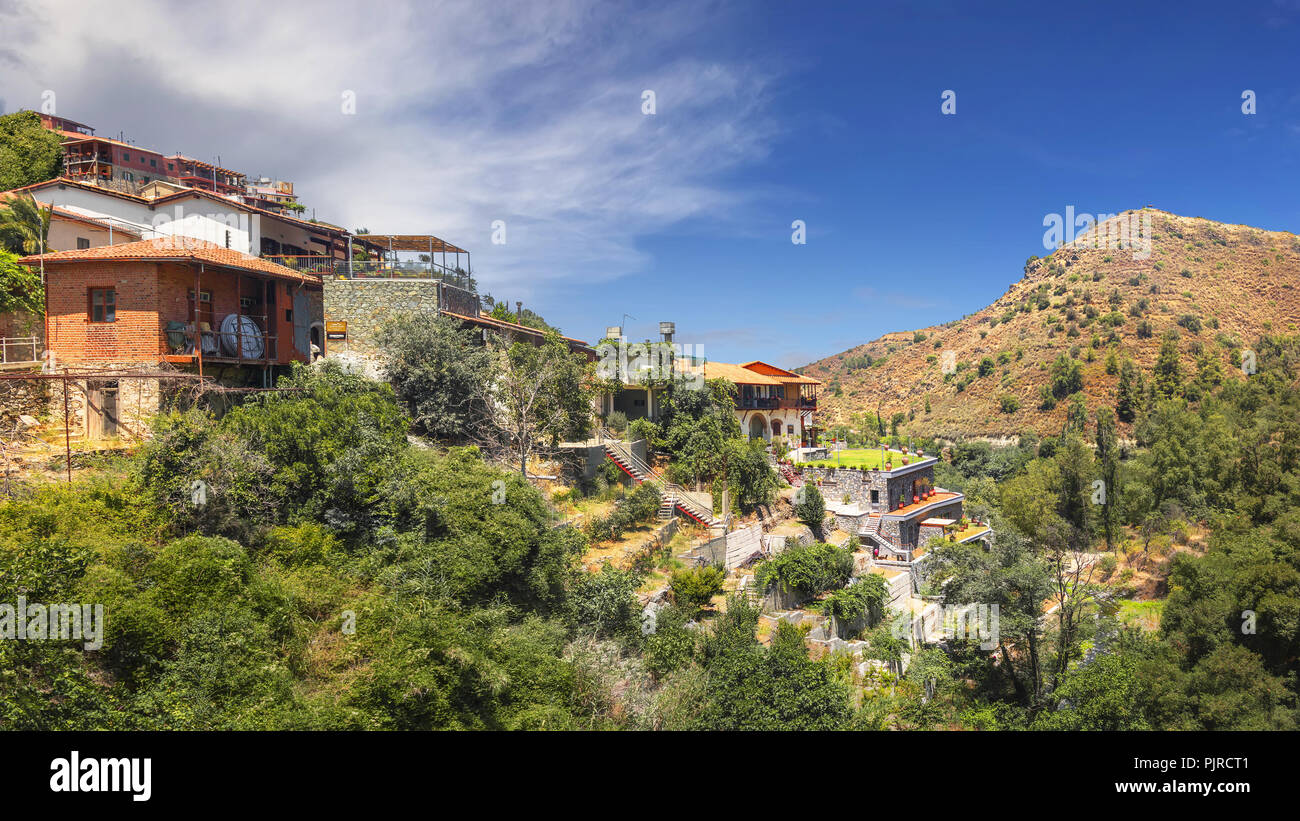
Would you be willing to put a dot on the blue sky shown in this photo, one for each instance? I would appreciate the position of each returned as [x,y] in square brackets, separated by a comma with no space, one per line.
[766,113]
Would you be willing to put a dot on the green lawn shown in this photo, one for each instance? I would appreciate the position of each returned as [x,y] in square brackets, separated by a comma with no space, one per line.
[863,458]
[1146,614]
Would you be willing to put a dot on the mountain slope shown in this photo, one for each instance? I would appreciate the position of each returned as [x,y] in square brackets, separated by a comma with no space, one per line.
[1082,301]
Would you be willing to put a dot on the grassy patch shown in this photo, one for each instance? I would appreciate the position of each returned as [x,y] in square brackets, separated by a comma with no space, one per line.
[1145,614]
[863,458]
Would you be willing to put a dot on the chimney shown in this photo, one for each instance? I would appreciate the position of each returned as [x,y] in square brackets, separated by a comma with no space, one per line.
[519,312]
[666,331]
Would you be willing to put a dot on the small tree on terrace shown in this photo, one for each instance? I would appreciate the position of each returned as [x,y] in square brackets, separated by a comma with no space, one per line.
[810,507]
[541,395]
[439,372]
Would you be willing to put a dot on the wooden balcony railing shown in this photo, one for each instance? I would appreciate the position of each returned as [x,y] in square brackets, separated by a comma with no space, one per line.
[178,339]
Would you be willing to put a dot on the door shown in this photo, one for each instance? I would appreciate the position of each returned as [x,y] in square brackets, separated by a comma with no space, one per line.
[101,410]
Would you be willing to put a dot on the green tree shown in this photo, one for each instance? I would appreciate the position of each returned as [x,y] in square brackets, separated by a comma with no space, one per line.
[693,588]
[441,373]
[698,422]
[1168,374]
[28,152]
[750,687]
[810,507]
[542,396]
[20,286]
[752,480]
[1108,461]
[25,225]
[806,570]
[861,602]
[1105,694]
[1067,376]
[1129,397]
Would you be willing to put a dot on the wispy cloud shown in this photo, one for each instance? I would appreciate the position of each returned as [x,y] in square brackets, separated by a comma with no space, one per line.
[466,113]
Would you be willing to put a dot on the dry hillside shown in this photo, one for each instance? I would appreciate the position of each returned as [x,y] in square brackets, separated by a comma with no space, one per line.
[1243,280]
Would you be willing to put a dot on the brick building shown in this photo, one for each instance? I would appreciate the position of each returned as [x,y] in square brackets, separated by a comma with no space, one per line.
[172,303]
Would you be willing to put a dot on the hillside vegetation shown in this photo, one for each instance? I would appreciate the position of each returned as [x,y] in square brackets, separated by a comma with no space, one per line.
[1218,286]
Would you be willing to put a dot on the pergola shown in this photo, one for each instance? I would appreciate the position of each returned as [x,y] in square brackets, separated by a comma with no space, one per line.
[417,243]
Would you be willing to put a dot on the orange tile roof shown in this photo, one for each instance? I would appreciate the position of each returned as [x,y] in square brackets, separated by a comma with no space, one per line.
[779,374]
[733,373]
[937,498]
[174,249]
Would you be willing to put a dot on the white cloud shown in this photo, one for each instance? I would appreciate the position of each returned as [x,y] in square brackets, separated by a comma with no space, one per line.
[466,113]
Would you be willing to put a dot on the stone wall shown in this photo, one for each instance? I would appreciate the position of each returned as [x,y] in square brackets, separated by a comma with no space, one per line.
[21,397]
[907,531]
[21,323]
[366,304]
[136,401]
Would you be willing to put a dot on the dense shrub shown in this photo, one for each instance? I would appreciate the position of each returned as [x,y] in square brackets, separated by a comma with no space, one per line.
[695,587]
[806,570]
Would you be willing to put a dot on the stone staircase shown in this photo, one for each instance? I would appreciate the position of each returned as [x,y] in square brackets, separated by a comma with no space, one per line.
[673,498]
[789,475]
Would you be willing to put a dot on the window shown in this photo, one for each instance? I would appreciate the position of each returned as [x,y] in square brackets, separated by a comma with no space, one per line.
[103,305]
[171,166]
[789,428]
[875,497]
[288,314]
[153,163]
[82,243]
[126,157]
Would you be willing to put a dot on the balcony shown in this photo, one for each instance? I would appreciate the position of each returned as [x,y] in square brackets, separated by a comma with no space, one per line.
[800,403]
[369,269]
[758,403]
[245,343]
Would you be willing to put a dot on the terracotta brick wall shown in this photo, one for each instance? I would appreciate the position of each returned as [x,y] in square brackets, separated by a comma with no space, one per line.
[149,295]
[134,337]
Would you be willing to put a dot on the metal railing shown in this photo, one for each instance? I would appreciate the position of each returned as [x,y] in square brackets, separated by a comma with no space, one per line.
[309,264]
[212,341]
[12,346]
[369,268]
[672,492]
[387,269]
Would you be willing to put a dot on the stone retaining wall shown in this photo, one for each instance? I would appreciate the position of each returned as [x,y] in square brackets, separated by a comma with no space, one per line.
[366,304]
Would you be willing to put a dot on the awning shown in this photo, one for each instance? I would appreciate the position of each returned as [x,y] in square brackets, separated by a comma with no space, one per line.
[426,243]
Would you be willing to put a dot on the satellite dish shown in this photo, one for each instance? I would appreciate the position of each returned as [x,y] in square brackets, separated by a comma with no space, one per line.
[241,332]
